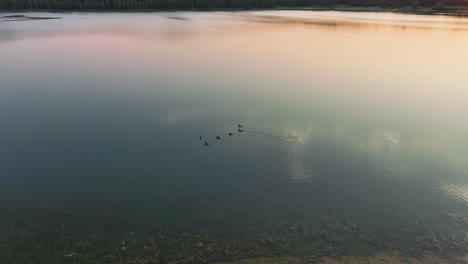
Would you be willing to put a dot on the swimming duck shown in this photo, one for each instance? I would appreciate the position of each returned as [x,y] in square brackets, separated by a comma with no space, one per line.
[217,137]
[201,138]
[230,134]
[240,130]
[206,144]
[239,125]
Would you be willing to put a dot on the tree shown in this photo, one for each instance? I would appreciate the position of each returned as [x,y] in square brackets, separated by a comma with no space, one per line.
[439,6]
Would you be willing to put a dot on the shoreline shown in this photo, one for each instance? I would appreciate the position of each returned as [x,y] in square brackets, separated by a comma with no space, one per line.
[457,11]
[379,258]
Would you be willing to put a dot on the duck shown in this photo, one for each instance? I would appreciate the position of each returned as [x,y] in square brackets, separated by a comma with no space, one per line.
[217,137]
[206,144]
[240,130]
[230,134]
[239,125]
[201,138]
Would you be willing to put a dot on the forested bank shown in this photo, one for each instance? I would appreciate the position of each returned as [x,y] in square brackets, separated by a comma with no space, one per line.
[24,5]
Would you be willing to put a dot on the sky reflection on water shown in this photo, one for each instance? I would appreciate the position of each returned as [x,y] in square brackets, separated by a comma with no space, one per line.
[337,106]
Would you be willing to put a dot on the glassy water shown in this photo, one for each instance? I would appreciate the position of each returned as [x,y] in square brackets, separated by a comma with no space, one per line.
[354,135]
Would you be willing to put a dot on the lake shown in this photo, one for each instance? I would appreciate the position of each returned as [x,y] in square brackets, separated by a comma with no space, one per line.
[348,136]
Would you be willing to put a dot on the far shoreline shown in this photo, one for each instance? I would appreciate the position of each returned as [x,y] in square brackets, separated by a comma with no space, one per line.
[457,12]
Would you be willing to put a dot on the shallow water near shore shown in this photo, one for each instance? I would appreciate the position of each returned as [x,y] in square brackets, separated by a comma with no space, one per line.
[354,136]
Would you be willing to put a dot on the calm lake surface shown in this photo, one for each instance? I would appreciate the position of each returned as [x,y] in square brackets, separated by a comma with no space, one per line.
[354,136]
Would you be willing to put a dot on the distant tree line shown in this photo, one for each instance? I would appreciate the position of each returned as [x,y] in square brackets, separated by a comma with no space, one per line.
[211,4]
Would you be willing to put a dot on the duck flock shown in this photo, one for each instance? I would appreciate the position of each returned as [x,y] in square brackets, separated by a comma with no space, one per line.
[218,137]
